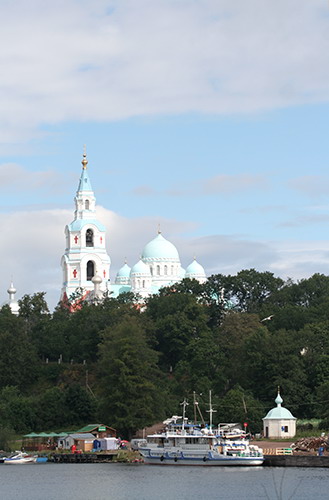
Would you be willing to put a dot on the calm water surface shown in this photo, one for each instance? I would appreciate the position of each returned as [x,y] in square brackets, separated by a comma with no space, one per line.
[142,482]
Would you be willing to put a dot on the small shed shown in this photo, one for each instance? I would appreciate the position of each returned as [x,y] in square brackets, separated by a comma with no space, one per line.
[82,441]
[279,422]
[99,431]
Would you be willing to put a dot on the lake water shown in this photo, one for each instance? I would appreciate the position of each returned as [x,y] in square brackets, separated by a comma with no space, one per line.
[142,482]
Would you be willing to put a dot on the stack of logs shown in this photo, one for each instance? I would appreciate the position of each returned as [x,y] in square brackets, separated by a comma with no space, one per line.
[311,443]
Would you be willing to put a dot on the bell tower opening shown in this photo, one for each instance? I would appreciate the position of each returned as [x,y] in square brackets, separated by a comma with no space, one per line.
[89,238]
[90,270]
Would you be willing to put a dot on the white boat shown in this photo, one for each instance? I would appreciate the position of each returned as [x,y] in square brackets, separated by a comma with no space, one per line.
[184,443]
[20,457]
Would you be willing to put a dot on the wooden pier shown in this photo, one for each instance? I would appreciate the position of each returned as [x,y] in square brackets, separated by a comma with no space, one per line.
[83,458]
[296,461]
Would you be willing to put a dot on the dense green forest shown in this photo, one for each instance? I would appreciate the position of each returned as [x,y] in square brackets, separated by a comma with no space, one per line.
[114,362]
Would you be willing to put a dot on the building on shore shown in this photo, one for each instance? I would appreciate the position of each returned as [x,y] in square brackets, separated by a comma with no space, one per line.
[279,422]
[86,263]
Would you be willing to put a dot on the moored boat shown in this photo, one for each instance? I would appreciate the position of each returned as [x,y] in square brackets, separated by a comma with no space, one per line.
[20,457]
[185,443]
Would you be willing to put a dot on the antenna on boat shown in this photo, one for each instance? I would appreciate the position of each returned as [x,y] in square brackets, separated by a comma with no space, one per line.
[194,407]
[210,411]
[197,407]
[184,404]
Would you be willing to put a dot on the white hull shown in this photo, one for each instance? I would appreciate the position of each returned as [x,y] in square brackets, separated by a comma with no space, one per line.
[220,460]
[19,459]
[184,443]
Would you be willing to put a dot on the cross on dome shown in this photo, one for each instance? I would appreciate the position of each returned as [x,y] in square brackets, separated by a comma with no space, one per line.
[84,159]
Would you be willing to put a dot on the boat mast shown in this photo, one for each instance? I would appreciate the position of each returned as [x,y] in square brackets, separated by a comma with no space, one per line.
[210,411]
[194,407]
[184,404]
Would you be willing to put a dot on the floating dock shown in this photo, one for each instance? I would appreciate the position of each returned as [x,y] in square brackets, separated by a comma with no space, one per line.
[296,461]
[79,458]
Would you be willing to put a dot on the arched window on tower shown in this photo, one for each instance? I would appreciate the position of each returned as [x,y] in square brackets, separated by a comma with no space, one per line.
[143,283]
[165,270]
[172,269]
[89,238]
[87,205]
[90,270]
[158,270]
[151,270]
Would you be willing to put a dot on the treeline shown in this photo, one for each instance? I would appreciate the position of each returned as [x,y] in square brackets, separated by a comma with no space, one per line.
[114,362]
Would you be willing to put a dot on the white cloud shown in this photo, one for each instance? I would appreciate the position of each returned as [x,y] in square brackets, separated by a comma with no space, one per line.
[306,220]
[313,186]
[228,184]
[17,178]
[224,184]
[106,60]
[33,243]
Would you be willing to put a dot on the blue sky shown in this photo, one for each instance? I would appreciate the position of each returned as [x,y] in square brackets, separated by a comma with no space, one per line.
[209,117]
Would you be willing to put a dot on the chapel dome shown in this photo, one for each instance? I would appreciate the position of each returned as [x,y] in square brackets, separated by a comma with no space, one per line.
[124,271]
[140,269]
[195,270]
[279,412]
[160,249]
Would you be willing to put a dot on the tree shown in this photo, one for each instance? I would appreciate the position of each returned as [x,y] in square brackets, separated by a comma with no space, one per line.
[252,289]
[79,407]
[240,406]
[17,411]
[32,307]
[177,319]
[51,408]
[128,378]
[18,360]
[232,336]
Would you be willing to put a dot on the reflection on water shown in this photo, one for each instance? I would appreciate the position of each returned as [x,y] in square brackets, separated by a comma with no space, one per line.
[142,482]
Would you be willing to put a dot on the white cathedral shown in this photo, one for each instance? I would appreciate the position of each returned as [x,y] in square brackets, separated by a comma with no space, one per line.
[86,263]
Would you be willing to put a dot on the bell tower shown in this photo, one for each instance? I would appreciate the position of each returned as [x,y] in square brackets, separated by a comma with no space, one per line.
[85,254]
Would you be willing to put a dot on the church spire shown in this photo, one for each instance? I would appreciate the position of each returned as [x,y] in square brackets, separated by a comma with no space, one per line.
[84,182]
[13,304]
[84,159]
[85,255]
[85,199]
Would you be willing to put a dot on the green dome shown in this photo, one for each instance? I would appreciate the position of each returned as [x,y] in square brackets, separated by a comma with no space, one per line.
[140,268]
[279,413]
[160,249]
[124,271]
[195,269]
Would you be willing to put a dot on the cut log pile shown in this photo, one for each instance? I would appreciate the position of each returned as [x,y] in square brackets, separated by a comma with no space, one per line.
[311,443]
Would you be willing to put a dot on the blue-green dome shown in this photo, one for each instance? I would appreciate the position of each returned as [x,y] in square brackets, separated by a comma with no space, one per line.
[160,249]
[195,269]
[140,268]
[124,271]
[122,277]
[279,413]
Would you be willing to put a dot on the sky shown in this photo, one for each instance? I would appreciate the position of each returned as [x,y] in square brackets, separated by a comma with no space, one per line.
[208,117]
